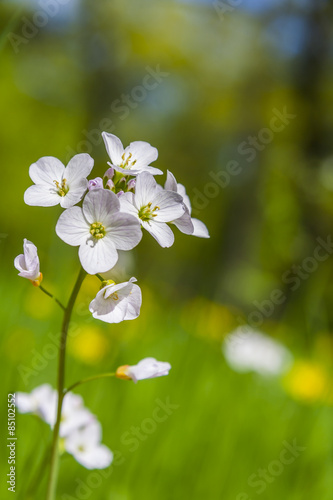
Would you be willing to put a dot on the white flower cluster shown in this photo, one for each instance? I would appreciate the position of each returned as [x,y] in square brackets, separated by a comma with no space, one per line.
[80,432]
[113,211]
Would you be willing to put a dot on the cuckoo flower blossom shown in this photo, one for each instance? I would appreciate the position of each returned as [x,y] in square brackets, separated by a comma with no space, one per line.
[85,446]
[55,183]
[116,303]
[99,229]
[134,159]
[146,368]
[28,263]
[153,207]
[186,224]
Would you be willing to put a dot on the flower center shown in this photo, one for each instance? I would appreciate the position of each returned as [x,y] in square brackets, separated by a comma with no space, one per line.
[62,189]
[97,230]
[127,162]
[146,213]
[81,448]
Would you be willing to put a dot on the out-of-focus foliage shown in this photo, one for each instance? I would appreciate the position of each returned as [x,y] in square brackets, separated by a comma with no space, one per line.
[204,84]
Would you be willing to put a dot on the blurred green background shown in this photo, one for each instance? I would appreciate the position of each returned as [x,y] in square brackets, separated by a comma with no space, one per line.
[219,74]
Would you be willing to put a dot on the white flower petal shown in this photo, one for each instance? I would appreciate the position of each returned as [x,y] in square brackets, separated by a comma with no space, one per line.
[161,232]
[28,262]
[200,229]
[170,205]
[114,147]
[72,227]
[170,183]
[75,194]
[142,152]
[145,189]
[46,170]
[98,256]
[127,204]
[41,195]
[124,231]
[98,457]
[184,223]
[99,205]
[148,368]
[136,171]
[78,167]
[134,303]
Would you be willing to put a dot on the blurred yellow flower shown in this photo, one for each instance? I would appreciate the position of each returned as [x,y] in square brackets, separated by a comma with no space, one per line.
[309,382]
[90,345]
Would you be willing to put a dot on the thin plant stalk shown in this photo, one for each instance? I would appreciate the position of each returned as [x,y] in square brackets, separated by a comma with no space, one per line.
[53,477]
[88,379]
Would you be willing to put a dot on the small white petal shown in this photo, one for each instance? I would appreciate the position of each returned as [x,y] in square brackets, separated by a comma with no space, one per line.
[142,152]
[170,206]
[200,229]
[41,196]
[98,256]
[145,189]
[148,368]
[134,304]
[127,204]
[72,227]
[75,194]
[124,231]
[114,147]
[98,457]
[46,170]
[185,223]
[99,205]
[78,167]
[161,232]
[170,183]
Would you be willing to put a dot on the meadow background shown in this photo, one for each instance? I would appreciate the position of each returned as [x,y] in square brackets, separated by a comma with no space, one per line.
[222,71]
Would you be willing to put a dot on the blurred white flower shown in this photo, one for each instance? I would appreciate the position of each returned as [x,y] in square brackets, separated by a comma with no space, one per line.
[146,368]
[153,207]
[248,350]
[39,401]
[117,302]
[79,429]
[99,229]
[134,159]
[186,224]
[85,446]
[28,263]
[55,183]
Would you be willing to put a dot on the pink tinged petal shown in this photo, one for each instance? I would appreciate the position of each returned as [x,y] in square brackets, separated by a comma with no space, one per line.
[200,229]
[98,256]
[114,148]
[72,227]
[30,253]
[170,183]
[99,205]
[78,167]
[124,231]
[134,303]
[142,152]
[161,232]
[170,205]
[109,173]
[184,223]
[43,195]
[145,189]
[46,170]
[95,183]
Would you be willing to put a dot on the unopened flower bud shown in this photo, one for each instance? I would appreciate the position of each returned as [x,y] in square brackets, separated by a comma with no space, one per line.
[131,185]
[109,173]
[95,183]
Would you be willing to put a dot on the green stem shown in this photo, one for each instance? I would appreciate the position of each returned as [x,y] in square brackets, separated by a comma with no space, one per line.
[99,277]
[84,380]
[52,484]
[52,297]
